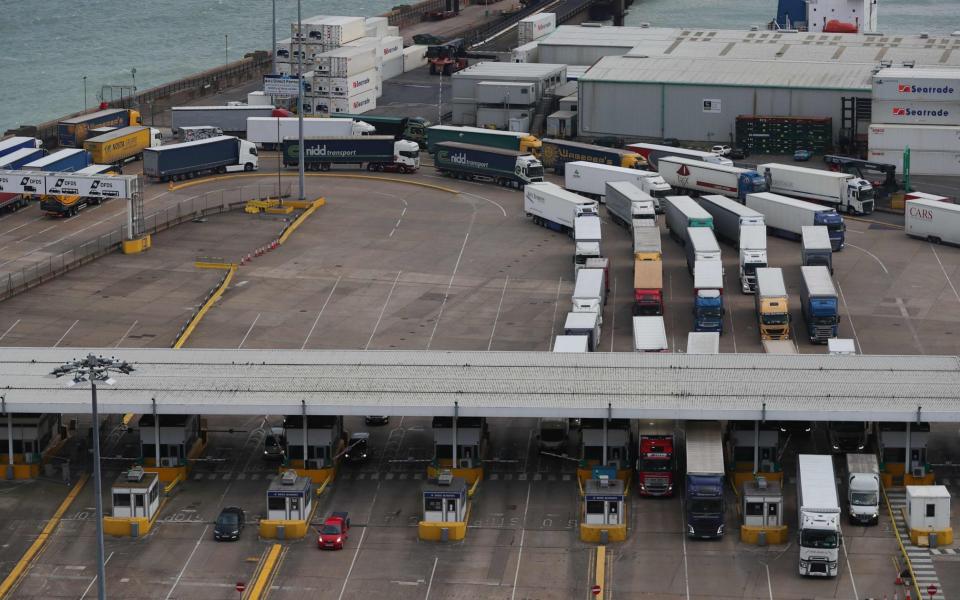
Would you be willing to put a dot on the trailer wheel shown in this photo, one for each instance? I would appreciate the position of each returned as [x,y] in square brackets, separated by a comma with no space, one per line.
[433,69]
[933,239]
[369,166]
[325,167]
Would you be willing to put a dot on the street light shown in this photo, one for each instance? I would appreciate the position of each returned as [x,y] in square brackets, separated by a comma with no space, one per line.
[226,45]
[274,51]
[84,93]
[133,74]
[94,369]
[300,105]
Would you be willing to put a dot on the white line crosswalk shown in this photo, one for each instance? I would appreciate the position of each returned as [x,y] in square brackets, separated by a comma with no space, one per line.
[920,558]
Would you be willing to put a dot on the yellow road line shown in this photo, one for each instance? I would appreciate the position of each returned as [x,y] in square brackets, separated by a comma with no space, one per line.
[300,219]
[261,585]
[600,571]
[903,551]
[175,188]
[21,567]
[206,307]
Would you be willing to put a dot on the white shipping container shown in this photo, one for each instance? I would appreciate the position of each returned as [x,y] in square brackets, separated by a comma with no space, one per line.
[921,162]
[347,61]
[940,138]
[932,85]
[259,99]
[536,26]
[281,51]
[340,30]
[933,220]
[392,68]
[649,335]
[392,31]
[908,112]
[358,104]
[346,87]
[414,57]
[527,53]
[375,26]
[391,47]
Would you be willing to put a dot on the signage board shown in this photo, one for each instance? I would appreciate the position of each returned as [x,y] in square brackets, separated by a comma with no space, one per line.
[67,184]
[281,85]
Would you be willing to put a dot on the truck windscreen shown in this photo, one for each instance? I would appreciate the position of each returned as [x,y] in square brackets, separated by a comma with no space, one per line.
[818,538]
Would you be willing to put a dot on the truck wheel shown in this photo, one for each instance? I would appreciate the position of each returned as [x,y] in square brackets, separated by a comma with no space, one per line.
[433,69]
[248,167]
[369,166]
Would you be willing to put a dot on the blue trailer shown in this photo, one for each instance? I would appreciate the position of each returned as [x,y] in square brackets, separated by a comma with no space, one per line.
[819,303]
[704,502]
[67,160]
[483,163]
[18,158]
[71,133]
[377,152]
[16,143]
[219,154]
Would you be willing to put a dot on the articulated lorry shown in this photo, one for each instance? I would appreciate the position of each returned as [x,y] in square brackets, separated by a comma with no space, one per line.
[269,132]
[12,144]
[934,221]
[753,255]
[772,305]
[701,246]
[656,463]
[585,324]
[845,192]
[66,160]
[232,120]
[647,287]
[483,163]
[654,152]
[646,240]
[626,203]
[785,217]
[729,216]
[492,138]
[818,512]
[586,238]
[649,334]
[71,133]
[591,179]
[65,204]
[589,292]
[553,207]
[863,489]
[708,295]
[703,495]
[819,303]
[683,213]
[373,152]
[413,129]
[557,153]
[224,154]
[815,247]
[122,145]
[696,177]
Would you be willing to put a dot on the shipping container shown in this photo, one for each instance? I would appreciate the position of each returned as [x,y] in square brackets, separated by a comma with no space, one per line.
[346,61]
[15,143]
[358,104]
[230,119]
[937,222]
[121,145]
[921,162]
[937,138]
[931,85]
[391,48]
[18,158]
[71,133]
[526,53]
[392,67]
[907,112]
[536,26]
[414,57]
[375,26]
[345,87]
[66,160]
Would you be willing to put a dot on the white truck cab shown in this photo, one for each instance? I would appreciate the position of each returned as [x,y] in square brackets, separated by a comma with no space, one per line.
[248,159]
[863,489]
[407,154]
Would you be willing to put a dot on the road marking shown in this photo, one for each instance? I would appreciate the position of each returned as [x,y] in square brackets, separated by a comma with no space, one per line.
[9,329]
[849,317]
[252,325]
[497,318]
[937,256]
[319,314]
[497,204]
[872,255]
[913,330]
[382,310]
[124,336]
[613,313]
[95,577]
[18,227]
[456,267]
[186,564]
[35,234]
[523,531]
[686,575]
[556,303]
[430,584]
[66,332]
[853,583]
[353,562]
[769,585]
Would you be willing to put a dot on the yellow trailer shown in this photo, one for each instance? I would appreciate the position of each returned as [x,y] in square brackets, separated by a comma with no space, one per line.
[121,145]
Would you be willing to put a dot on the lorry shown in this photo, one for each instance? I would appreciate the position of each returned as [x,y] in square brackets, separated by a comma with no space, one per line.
[819,303]
[842,191]
[815,247]
[586,237]
[772,305]
[785,217]
[863,489]
[703,342]
[589,292]
[708,295]
[224,154]
[584,323]
[413,129]
[656,460]
[552,433]
[818,512]
[16,159]
[374,152]
[779,347]
[553,207]
[122,145]
[269,132]
[66,204]
[334,531]
[701,246]
[931,220]
[507,140]
[232,120]
[703,494]
[646,240]
[71,133]
[570,343]
[647,287]
[66,160]
[483,163]
[649,334]
[12,144]
[696,176]
[683,213]
[590,179]
[627,203]
[557,153]
[753,255]
[729,216]
[654,152]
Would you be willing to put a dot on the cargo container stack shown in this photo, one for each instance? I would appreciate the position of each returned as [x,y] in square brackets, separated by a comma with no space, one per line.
[917,109]
[535,27]
[783,135]
[482,95]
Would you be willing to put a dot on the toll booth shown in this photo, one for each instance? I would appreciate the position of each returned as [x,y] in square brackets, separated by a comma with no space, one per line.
[762,510]
[289,507]
[892,442]
[604,516]
[324,440]
[619,447]
[25,436]
[928,515]
[471,442]
[174,439]
[135,503]
[753,450]
[445,510]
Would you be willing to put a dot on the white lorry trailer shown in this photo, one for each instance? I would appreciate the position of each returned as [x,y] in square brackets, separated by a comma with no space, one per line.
[627,203]
[729,216]
[863,489]
[586,324]
[815,248]
[590,179]
[646,241]
[701,246]
[753,255]
[269,132]
[586,237]
[843,191]
[589,292]
[553,207]
[703,342]
[571,343]
[649,335]
[697,177]
[786,217]
[934,221]
[818,511]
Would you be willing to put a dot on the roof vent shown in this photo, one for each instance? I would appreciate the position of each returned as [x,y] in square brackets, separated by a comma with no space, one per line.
[754,28]
[647,26]
[135,474]
[288,477]
[924,35]
[445,477]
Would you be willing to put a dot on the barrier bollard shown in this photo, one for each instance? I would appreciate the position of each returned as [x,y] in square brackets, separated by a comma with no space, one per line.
[281,533]
[604,536]
[444,534]
[762,537]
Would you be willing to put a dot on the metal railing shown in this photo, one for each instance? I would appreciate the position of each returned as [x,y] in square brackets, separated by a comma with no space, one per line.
[208,203]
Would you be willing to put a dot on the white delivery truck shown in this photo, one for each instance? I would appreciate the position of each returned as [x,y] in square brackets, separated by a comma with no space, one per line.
[571,343]
[863,489]
[586,237]
[627,203]
[698,177]
[729,216]
[649,335]
[701,246]
[703,342]
[753,255]
[934,221]
[585,324]
[590,179]
[553,207]
[843,191]
[818,511]
[269,132]
[589,293]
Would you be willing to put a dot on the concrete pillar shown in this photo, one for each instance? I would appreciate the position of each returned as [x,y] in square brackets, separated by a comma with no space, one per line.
[756,447]
[303,403]
[604,459]
[907,468]
[456,413]
[156,434]
[10,439]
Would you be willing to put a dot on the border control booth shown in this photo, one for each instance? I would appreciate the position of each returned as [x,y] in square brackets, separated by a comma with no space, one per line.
[753,450]
[23,439]
[135,502]
[168,444]
[321,437]
[762,511]
[289,507]
[604,517]
[444,504]
[893,440]
[471,436]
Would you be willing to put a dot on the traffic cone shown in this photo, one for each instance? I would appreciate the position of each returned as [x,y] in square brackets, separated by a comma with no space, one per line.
[898,580]
[906,595]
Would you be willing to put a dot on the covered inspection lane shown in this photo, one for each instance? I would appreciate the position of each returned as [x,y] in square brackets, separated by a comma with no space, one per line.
[496,384]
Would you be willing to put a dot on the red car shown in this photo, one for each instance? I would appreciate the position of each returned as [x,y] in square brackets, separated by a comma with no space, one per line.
[334,532]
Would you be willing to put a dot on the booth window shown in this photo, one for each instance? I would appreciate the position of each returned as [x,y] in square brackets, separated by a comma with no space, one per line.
[275,503]
[772,510]
[595,507]
[433,504]
[451,505]
[154,493]
[754,509]
[138,500]
[121,499]
[931,510]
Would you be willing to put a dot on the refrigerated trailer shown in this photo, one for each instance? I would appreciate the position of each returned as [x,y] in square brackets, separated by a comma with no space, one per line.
[627,203]
[696,177]
[682,213]
[729,216]
[934,221]
[786,217]
[553,207]
[845,192]
[590,179]
[818,515]
[268,132]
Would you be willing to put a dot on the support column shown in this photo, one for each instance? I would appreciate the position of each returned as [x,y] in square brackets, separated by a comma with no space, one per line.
[9,442]
[456,414]
[303,403]
[906,454]
[156,434]
[756,447]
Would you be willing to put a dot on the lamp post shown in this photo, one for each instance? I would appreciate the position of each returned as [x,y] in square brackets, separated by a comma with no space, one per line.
[226,46]
[133,75]
[84,93]
[94,369]
[274,29]
[300,100]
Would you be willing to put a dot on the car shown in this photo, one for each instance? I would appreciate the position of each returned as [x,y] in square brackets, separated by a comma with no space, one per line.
[376,419]
[796,427]
[802,155]
[275,444]
[334,531]
[671,142]
[739,153]
[721,149]
[357,447]
[229,524]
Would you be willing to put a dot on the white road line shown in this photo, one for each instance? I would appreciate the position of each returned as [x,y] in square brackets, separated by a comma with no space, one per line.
[246,335]
[35,234]
[382,310]
[769,585]
[937,256]
[673,334]
[872,255]
[913,330]
[456,267]
[613,313]
[19,226]
[430,583]
[319,314]
[849,317]
[176,582]
[523,531]
[497,204]
[499,306]
[353,562]
[686,576]
[9,329]
[95,577]
[66,332]
[117,345]
[556,303]
[729,309]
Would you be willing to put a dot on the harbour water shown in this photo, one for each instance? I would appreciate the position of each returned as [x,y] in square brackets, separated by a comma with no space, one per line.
[49,47]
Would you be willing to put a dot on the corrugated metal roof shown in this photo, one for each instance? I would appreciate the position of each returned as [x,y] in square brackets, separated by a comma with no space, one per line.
[483,69]
[720,72]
